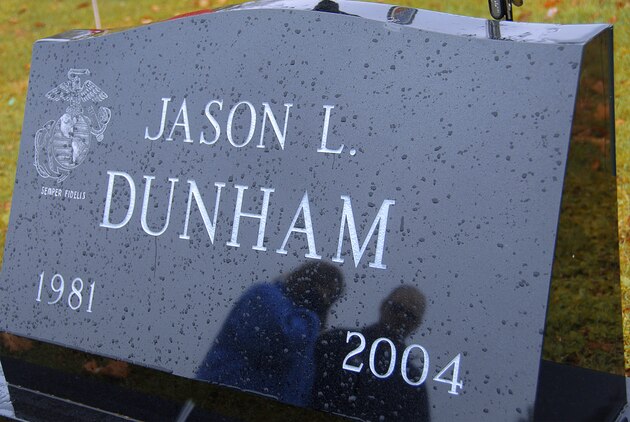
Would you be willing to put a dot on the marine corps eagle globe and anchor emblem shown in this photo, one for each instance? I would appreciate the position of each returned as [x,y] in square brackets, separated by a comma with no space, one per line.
[62,145]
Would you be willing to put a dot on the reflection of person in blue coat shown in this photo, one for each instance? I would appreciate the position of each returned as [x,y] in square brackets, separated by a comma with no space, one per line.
[268,340]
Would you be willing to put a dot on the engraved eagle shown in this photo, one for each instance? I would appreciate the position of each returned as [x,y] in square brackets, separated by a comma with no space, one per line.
[76,92]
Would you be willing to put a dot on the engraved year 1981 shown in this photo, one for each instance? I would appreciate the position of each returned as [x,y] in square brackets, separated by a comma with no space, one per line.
[57,287]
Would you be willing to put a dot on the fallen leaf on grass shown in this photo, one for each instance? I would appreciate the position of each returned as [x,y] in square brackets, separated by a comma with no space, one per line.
[524,16]
[598,86]
[596,165]
[92,367]
[601,112]
[552,3]
[113,369]
[116,369]
[15,344]
[596,345]
[83,5]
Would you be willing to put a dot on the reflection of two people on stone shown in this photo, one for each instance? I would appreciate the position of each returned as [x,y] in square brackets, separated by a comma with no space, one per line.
[271,343]
[267,342]
[362,394]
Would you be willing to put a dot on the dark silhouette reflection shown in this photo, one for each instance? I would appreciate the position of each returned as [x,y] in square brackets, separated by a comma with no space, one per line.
[267,342]
[362,394]
[330,7]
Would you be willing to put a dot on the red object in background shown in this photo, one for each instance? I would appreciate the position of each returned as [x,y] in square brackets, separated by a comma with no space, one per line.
[198,12]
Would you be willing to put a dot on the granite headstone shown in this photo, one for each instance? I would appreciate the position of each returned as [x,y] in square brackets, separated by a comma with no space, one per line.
[345,206]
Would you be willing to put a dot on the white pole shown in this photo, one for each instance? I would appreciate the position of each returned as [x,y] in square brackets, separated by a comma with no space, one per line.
[97,17]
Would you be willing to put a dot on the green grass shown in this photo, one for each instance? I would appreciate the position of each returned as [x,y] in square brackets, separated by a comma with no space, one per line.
[21,23]
[584,313]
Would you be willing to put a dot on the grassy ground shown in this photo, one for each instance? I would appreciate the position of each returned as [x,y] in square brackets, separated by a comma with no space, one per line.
[23,22]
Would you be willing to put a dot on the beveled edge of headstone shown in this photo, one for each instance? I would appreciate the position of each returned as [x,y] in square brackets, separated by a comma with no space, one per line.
[6,408]
[426,20]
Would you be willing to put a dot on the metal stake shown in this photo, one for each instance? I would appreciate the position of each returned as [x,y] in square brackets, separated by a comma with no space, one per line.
[97,17]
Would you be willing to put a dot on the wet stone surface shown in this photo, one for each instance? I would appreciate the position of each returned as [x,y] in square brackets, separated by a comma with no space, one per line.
[341,213]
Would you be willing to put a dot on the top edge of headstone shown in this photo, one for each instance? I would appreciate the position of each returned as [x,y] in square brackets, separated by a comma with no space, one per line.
[426,20]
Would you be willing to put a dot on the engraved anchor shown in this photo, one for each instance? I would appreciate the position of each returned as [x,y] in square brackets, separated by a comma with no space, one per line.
[63,145]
